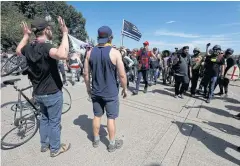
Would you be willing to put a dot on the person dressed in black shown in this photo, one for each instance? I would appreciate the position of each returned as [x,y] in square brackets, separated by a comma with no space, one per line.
[230,62]
[41,57]
[213,64]
[182,68]
[196,66]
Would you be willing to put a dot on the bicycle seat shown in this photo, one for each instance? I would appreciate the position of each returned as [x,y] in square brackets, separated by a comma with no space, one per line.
[11,82]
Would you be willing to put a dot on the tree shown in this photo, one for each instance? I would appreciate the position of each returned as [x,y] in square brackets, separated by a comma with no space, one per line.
[13,13]
[11,32]
[92,41]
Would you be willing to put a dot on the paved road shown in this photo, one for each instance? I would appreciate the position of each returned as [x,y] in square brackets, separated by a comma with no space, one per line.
[157,129]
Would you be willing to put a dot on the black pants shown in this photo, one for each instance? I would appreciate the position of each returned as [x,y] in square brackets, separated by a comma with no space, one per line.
[223,83]
[194,80]
[144,74]
[183,81]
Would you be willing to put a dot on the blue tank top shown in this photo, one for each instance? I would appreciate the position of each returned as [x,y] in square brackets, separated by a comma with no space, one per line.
[104,73]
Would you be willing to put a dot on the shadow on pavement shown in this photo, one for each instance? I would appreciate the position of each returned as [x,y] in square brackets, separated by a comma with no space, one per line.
[153,164]
[170,89]
[3,85]
[230,100]
[228,129]
[162,92]
[234,108]
[234,85]
[217,145]
[213,110]
[85,124]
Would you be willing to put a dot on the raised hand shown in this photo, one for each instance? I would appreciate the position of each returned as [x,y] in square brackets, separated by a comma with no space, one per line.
[26,30]
[62,25]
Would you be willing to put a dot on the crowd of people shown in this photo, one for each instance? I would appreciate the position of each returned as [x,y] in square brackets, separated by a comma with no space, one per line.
[104,67]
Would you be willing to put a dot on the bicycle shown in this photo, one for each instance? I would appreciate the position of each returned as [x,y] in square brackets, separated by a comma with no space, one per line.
[12,65]
[26,114]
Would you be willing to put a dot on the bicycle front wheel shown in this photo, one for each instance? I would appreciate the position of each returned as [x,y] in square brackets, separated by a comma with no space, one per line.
[21,130]
[67,100]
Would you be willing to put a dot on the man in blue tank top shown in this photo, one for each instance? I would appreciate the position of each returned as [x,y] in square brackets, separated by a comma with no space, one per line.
[104,62]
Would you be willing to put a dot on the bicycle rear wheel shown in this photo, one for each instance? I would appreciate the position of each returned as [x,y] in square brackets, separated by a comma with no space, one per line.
[12,65]
[21,130]
[67,100]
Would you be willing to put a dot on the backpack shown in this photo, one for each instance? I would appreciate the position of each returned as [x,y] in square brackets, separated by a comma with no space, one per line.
[144,60]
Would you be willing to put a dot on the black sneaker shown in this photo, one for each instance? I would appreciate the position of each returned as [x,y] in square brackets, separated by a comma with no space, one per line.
[219,94]
[193,95]
[237,116]
[145,90]
[208,101]
[181,96]
[118,144]
[135,92]
[65,83]
[238,149]
[95,143]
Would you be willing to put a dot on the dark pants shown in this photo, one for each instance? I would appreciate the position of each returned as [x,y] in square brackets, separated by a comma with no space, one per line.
[183,81]
[194,80]
[164,74]
[50,121]
[223,83]
[209,81]
[144,74]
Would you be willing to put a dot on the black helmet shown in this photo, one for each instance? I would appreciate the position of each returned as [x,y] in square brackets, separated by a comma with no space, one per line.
[154,49]
[217,47]
[229,51]
[196,49]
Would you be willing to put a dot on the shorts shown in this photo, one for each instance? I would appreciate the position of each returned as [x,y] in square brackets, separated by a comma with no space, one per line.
[111,104]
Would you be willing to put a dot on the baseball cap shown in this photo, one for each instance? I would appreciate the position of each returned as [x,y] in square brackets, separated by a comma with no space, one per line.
[39,25]
[146,43]
[104,33]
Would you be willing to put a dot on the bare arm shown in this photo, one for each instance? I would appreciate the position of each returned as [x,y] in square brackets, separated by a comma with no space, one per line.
[130,61]
[121,70]
[207,50]
[61,53]
[223,70]
[153,55]
[22,43]
[86,72]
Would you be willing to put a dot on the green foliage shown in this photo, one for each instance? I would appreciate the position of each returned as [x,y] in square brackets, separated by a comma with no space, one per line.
[13,13]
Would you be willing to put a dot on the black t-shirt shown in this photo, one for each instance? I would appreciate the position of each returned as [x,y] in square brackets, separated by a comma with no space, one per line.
[212,65]
[230,63]
[181,68]
[46,79]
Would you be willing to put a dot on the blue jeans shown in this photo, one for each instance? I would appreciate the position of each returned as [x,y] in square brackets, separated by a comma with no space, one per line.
[209,81]
[153,75]
[50,121]
[213,81]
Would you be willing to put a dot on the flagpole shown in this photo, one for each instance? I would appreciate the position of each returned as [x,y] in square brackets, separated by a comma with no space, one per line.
[122,33]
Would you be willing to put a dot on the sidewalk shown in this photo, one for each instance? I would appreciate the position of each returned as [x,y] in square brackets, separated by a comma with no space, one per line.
[157,129]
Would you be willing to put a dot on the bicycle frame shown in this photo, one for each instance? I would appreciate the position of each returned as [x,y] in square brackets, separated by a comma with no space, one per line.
[20,94]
